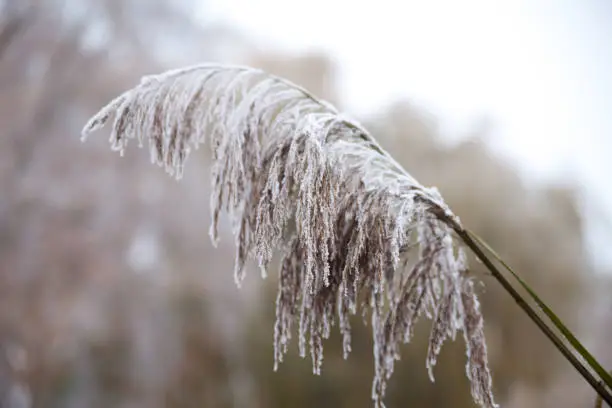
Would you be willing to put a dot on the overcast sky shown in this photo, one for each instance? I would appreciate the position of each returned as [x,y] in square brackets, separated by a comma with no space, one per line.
[541,70]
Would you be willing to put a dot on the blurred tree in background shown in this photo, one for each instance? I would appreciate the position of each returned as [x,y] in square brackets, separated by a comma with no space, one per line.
[111,294]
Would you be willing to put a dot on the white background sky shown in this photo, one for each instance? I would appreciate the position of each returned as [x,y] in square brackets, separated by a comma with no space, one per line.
[542,70]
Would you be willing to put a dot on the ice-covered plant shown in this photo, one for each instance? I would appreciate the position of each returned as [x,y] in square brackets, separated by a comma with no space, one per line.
[356,232]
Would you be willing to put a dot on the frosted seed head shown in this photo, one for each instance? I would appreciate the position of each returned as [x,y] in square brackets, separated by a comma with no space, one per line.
[349,221]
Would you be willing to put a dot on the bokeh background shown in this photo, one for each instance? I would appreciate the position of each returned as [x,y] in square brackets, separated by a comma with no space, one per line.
[111,294]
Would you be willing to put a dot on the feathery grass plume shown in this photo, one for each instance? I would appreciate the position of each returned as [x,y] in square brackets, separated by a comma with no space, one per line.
[356,231]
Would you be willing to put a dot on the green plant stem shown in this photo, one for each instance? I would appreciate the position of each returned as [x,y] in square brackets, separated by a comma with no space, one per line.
[567,333]
[599,400]
[597,385]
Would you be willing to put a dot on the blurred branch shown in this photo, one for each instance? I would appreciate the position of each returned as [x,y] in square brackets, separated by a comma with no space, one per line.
[16,22]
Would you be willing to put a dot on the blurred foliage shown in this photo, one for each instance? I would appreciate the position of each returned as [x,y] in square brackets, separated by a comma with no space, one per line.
[111,294]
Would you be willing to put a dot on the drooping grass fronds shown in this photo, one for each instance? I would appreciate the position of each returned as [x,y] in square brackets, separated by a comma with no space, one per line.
[356,231]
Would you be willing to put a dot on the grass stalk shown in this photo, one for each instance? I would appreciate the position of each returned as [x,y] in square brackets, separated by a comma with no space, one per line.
[279,153]
[603,385]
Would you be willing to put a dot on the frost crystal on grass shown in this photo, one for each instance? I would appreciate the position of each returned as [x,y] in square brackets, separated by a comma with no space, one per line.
[356,231]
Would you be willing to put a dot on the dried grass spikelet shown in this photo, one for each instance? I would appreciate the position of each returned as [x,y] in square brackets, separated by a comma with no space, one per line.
[354,228]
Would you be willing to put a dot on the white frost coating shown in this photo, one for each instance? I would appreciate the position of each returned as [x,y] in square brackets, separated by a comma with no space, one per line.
[298,177]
